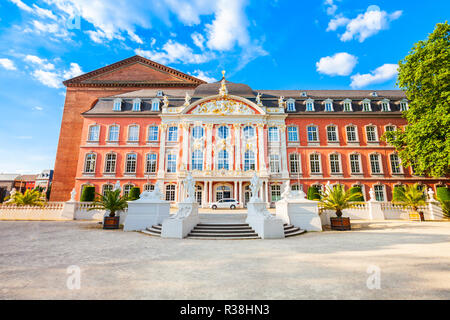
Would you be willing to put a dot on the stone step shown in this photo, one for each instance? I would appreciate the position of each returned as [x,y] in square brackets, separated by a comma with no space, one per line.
[223,238]
[224,225]
[223,235]
[222,230]
[295,233]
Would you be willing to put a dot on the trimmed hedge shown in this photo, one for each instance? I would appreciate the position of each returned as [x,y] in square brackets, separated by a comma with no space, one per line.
[357,189]
[135,192]
[396,192]
[88,194]
[313,193]
[443,193]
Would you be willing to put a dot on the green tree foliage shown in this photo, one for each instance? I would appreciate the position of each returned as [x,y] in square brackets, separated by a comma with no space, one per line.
[425,76]
[337,198]
[396,192]
[443,193]
[29,198]
[313,193]
[411,196]
[357,189]
[111,201]
[135,192]
[88,194]
[446,208]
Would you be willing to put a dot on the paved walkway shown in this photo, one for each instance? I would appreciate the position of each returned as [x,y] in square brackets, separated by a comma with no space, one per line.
[413,260]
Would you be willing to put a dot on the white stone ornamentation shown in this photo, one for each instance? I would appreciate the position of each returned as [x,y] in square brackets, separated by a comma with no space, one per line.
[117,185]
[187,100]
[223,107]
[73,193]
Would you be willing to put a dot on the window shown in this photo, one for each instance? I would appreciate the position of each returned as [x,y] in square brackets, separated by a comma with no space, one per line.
[390,128]
[110,163]
[314,160]
[395,163]
[403,106]
[379,192]
[354,163]
[117,105]
[371,134]
[274,162]
[222,162]
[137,105]
[335,165]
[106,188]
[294,162]
[153,133]
[292,134]
[347,105]
[171,163]
[328,105]
[275,191]
[133,133]
[274,135]
[159,93]
[150,163]
[351,134]
[375,163]
[249,160]
[130,165]
[94,133]
[113,134]
[332,134]
[296,187]
[197,160]
[312,134]
[385,106]
[155,105]
[223,132]
[89,163]
[366,106]
[310,106]
[127,189]
[149,187]
[291,105]
[170,192]
[173,134]
[197,132]
[249,132]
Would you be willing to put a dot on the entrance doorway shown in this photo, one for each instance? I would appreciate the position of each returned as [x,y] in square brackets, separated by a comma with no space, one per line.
[223,192]
[198,194]
[247,195]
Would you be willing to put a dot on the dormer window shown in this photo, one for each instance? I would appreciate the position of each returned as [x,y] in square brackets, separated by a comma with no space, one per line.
[385,105]
[328,105]
[159,93]
[155,105]
[137,104]
[304,94]
[291,105]
[117,105]
[366,105]
[374,94]
[347,105]
[403,105]
[309,105]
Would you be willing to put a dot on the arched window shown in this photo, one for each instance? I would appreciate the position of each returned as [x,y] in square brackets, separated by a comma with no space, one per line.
[171,163]
[366,105]
[173,134]
[127,189]
[222,162]
[274,134]
[149,187]
[335,163]
[89,163]
[309,105]
[223,132]
[290,105]
[385,106]
[249,160]
[274,163]
[107,187]
[133,133]
[113,134]
[371,134]
[379,192]
[197,132]
[314,162]
[375,165]
[170,192]
[395,163]
[155,105]
[332,133]
[153,133]
[249,132]
[130,164]
[351,133]
[150,163]
[294,163]
[347,105]
[117,105]
[355,163]
[110,163]
[137,104]
[94,133]
[292,134]
[313,135]
[197,160]
[275,192]
[328,105]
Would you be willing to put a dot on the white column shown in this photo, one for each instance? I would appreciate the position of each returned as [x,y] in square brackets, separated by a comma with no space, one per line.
[204,194]
[210,192]
[266,191]
[235,190]
[185,144]
[261,149]
[284,164]
[241,199]
[209,128]
[162,149]
[237,137]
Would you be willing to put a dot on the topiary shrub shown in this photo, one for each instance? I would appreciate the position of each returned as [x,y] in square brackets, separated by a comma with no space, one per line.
[446,208]
[88,194]
[135,192]
[397,191]
[443,193]
[357,189]
[313,193]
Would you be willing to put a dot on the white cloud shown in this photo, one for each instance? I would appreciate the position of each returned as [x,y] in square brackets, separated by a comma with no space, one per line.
[7,64]
[48,78]
[37,108]
[364,25]
[202,75]
[74,71]
[198,39]
[175,52]
[379,75]
[340,64]
[43,63]
[331,7]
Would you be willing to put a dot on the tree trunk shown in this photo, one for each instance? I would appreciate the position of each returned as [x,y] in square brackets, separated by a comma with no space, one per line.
[338,213]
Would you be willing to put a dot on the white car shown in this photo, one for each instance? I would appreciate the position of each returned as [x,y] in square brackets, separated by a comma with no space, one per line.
[225,203]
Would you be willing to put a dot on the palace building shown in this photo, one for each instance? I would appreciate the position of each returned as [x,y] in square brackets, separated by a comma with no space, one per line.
[141,123]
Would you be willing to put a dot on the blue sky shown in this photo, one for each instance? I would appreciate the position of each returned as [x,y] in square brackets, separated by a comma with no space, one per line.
[275,44]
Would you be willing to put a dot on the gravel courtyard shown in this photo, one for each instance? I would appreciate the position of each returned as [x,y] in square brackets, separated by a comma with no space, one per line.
[413,259]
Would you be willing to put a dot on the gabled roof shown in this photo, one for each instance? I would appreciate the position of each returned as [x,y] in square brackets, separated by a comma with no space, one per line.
[136,71]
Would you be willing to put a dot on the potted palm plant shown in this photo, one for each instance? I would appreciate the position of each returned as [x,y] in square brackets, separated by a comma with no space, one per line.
[411,197]
[113,203]
[337,198]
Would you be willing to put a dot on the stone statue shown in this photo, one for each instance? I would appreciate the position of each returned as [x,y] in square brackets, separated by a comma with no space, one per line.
[281,102]
[165,102]
[151,196]
[255,185]
[258,99]
[372,195]
[12,193]
[187,99]
[223,87]
[183,212]
[430,194]
[117,186]
[189,186]
[73,193]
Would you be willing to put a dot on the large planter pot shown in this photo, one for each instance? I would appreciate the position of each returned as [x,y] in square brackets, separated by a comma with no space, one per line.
[111,222]
[341,224]
[414,216]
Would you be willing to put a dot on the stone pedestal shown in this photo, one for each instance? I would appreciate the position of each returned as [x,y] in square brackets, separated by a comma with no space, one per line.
[145,213]
[265,224]
[375,212]
[69,210]
[301,213]
[181,223]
